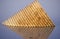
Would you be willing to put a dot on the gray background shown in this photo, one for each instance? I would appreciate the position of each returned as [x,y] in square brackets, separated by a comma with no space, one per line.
[10,7]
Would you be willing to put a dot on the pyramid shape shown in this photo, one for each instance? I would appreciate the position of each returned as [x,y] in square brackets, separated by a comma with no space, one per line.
[31,22]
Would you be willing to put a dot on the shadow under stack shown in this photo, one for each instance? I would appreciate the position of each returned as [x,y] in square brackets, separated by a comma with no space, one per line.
[31,22]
